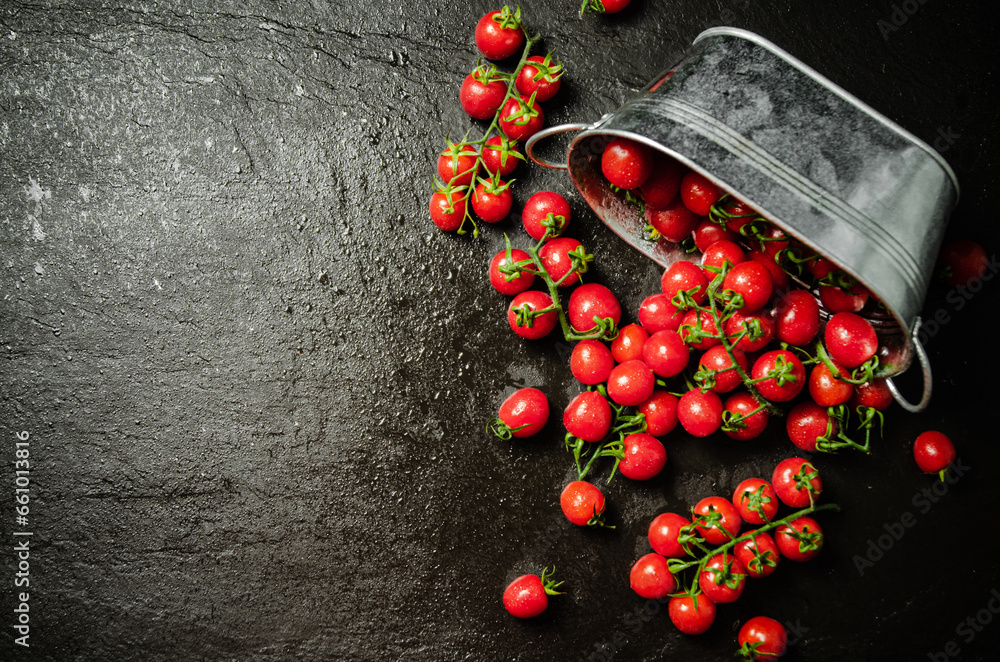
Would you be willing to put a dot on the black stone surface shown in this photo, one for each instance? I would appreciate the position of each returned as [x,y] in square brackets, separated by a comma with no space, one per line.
[256,378]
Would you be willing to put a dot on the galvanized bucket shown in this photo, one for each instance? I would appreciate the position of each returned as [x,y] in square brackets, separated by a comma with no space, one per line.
[810,157]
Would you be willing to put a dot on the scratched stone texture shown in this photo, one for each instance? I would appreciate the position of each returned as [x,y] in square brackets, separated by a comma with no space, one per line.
[256,378]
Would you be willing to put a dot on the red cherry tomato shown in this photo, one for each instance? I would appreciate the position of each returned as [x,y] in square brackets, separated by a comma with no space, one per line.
[797,318]
[665,353]
[663,532]
[644,456]
[962,261]
[807,423]
[582,503]
[719,368]
[799,540]
[657,313]
[723,578]
[754,330]
[699,193]
[839,300]
[716,256]
[752,418]
[874,394]
[591,362]
[540,76]
[631,383]
[933,451]
[651,578]
[448,209]
[456,164]
[589,301]
[752,281]
[588,416]
[492,200]
[691,614]
[482,92]
[755,501]
[796,482]
[762,638]
[499,34]
[850,339]
[501,156]
[684,276]
[778,275]
[628,345]
[527,596]
[518,282]
[759,555]
[825,389]
[707,232]
[698,329]
[660,411]
[717,520]
[700,413]
[525,412]
[558,262]
[660,188]
[545,211]
[521,118]
[627,163]
[538,326]
[673,221]
[782,373]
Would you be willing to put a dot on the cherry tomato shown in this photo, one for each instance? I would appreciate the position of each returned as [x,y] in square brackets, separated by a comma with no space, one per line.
[501,155]
[499,34]
[518,282]
[539,76]
[716,256]
[797,318]
[691,614]
[839,300]
[673,221]
[591,362]
[850,339]
[631,383]
[874,394]
[723,578]
[754,330]
[660,188]
[796,482]
[684,276]
[717,363]
[582,503]
[492,200]
[759,555]
[521,118]
[525,412]
[962,261]
[807,422]
[545,211]
[482,92]
[558,262]
[755,501]
[448,209]
[592,300]
[773,241]
[825,389]
[799,540]
[778,275]
[628,344]
[588,416]
[657,313]
[782,373]
[698,329]
[527,596]
[665,353]
[707,232]
[644,456]
[752,281]
[933,451]
[456,165]
[698,193]
[605,6]
[663,532]
[700,412]
[651,578]
[752,417]
[660,411]
[627,163]
[717,520]
[538,326]
[762,638]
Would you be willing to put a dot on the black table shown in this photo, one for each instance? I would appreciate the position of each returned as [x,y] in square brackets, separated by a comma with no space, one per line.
[255,379]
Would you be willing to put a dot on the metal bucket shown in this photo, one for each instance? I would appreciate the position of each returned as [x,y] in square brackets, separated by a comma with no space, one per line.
[808,156]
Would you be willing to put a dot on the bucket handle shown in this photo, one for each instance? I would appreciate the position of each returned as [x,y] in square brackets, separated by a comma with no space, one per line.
[529,147]
[925,367]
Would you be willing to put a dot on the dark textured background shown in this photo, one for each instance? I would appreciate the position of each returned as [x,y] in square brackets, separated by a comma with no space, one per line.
[256,378]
